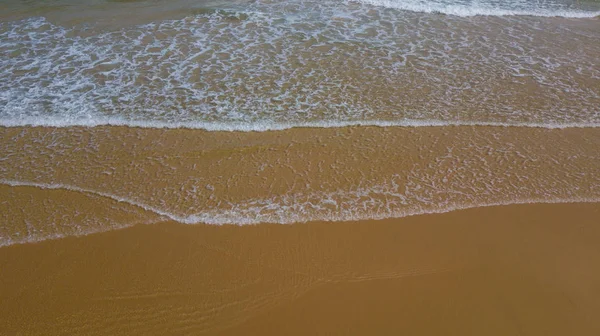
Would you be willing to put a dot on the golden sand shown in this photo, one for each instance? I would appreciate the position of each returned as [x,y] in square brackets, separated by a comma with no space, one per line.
[507,270]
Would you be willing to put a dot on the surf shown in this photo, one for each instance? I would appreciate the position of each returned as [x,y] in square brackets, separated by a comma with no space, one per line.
[482,8]
[249,213]
[266,126]
[319,64]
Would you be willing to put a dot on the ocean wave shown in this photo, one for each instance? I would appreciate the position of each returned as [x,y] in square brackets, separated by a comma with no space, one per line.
[480,8]
[264,126]
[249,214]
[320,66]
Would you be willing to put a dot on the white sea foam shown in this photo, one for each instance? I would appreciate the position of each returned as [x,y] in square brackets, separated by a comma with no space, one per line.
[288,212]
[486,8]
[300,64]
[271,126]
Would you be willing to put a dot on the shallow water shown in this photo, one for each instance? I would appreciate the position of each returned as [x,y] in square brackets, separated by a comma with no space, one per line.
[73,181]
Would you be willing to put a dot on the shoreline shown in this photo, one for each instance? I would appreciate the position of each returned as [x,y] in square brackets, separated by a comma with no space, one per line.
[167,219]
[302,167]
[121,176]
[259,127]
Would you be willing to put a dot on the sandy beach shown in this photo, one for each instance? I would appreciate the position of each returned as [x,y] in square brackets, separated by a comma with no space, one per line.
[299,167]
[104,231]
[506,270]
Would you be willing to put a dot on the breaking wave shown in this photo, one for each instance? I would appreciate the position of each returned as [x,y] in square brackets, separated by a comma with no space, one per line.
[272,126]
[486,8]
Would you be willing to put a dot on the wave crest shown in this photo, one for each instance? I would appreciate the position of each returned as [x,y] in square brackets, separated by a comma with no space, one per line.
[484,8]
[266,126]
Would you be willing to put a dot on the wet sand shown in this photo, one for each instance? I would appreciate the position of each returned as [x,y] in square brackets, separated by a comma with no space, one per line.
[505,270]
[94,241]
[121,176]
[344,167]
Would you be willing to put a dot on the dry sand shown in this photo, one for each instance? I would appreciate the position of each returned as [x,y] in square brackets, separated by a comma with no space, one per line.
[506,270]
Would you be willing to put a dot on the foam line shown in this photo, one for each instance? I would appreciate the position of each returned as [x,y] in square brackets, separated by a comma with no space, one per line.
[223,217]
[476,10]
[119,199]
[273,126]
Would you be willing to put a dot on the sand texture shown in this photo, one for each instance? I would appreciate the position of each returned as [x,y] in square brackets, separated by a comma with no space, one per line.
[506,270]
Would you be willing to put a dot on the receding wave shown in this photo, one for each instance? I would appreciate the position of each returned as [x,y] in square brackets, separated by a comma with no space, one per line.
[292,211]
[120,175]
[485,8]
